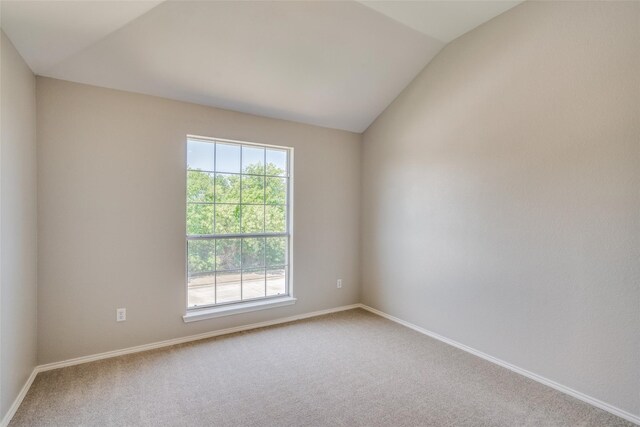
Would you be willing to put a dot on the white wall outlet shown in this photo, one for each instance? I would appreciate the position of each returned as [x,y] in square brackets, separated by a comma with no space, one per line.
[339,283]
[121,314]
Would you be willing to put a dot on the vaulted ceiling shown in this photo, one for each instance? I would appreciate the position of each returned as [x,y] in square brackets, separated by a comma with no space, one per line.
[336,64]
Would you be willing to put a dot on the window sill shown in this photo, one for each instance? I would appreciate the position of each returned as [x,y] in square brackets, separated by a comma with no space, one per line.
[212,312]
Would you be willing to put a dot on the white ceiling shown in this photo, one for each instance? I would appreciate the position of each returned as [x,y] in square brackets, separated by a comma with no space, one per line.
[46,32]
[333,64]
[442,20]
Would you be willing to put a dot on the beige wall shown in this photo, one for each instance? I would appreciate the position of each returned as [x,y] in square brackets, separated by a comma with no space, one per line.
[501,203]
[112,216]
[18,224]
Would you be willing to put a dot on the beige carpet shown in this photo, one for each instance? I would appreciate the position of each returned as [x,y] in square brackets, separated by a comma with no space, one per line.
[346,369]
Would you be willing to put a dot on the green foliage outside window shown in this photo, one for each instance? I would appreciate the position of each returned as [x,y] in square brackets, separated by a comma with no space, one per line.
[259,207]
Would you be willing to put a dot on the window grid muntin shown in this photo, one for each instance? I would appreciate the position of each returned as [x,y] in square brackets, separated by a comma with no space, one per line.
[268,267]
[286,278]
[240,235]
[238,173]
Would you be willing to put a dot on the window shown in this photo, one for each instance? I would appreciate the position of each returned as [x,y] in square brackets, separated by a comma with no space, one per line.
[237,226]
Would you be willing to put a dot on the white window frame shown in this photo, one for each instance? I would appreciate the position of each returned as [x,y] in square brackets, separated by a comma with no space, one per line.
[225,309]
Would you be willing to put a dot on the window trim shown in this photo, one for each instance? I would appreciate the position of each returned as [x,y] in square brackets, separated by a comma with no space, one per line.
[226,309]
[211,312]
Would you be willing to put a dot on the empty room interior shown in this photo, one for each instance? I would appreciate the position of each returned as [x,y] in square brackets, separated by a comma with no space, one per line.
[320,213]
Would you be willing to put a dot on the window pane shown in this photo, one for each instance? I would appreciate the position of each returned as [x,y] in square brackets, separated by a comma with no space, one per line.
[253,160]
[199,219]
[200,256]
[252,219]
[228,254]
[253,284]
[276,251]
[253,252]
[236,189]
[276,162]
[227,188]
[276,282]
[199,187]
[276,191]
[227,219]
[200,155]
[201,290]
[228,286]
[227,158]
[252,189]
[275,219]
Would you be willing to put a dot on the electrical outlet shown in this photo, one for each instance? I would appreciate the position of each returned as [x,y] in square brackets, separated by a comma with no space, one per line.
[339,283]
[121,314]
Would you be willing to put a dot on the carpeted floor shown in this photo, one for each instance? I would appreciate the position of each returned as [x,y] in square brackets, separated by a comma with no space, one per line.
[346,369]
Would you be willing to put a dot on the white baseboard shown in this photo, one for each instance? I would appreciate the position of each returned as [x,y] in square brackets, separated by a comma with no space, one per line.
[160,344]
[16,403]
[109,354]
[564,389]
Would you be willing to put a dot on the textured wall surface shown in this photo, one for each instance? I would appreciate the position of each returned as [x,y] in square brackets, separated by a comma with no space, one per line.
[18,224]
[112,216]
[501,203]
